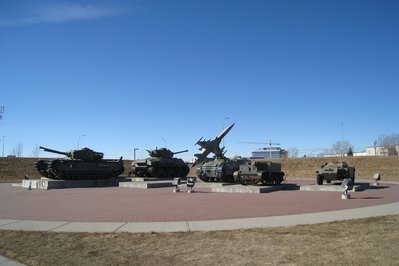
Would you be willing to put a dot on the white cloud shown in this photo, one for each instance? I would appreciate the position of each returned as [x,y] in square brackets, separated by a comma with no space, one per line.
[59,14]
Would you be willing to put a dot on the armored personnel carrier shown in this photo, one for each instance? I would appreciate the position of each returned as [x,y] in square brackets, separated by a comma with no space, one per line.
[160,164]
[79,164]
[251,173]
[331,171]
[220,169]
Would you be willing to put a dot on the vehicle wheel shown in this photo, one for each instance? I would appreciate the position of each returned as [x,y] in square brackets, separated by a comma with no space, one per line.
[319,180]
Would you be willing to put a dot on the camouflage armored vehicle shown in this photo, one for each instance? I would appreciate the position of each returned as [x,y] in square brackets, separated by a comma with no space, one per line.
[251,173]
[220,169]
[160,164]
[334,171]
[79,164]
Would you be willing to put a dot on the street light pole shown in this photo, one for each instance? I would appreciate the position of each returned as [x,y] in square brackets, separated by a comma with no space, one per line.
[134,151]
[79,139]
[3,146]
[165,142]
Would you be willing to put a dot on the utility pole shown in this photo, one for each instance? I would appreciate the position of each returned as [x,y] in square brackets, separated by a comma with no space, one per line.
[1,118]
[134,151]
[1,112]
[83,135]
[342,139]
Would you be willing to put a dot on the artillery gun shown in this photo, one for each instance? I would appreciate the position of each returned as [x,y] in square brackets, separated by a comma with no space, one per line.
[251,173]
[335,171]
[161,163]
[79,164]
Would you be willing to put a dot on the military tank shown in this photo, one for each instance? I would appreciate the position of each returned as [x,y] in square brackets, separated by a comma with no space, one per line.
[160,164]
[252,173]
[331,171]
[80,164]
[220,169]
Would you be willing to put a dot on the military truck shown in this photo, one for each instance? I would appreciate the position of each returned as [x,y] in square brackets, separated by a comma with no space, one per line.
[160,164]
[79,164]
[254,172]
[331,171]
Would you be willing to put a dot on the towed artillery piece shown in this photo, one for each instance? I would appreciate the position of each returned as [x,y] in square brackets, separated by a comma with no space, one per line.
[161,163]
[251,173]
[80,164]
[335,171]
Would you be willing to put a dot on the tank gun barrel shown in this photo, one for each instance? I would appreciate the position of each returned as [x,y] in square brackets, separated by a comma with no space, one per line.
[54,151]
[179,152]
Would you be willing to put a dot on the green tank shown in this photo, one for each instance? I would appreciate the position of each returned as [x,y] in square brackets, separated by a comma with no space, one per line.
[161,163]
[253,172]
[219,169]
[79,165]
[331,171]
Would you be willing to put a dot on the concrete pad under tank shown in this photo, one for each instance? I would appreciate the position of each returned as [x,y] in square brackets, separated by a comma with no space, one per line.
[46,183]
[333,187]
[254,189]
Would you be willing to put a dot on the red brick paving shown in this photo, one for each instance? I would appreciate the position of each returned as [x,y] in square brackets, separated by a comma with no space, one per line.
[116,204]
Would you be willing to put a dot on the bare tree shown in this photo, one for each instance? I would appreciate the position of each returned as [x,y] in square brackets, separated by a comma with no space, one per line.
[293,152]
[36,151]
[18,149]
[389,142]
[341,147]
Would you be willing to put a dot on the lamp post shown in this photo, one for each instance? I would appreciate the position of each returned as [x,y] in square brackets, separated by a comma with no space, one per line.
[3,146]
[79,139]
[134,151]
[165,142]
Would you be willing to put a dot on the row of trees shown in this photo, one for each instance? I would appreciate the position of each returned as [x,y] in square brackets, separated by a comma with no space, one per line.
[18,150]
[387,142]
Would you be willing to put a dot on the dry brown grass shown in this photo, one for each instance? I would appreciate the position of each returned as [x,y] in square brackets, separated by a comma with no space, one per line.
[372,241]
[13,169]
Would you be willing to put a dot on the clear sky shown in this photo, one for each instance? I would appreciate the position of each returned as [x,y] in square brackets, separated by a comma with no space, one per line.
[141,74]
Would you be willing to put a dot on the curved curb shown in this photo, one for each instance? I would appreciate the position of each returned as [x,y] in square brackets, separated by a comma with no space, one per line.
[211,225]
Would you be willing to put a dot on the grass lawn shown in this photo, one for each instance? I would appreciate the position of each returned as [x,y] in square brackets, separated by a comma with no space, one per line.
[371,241]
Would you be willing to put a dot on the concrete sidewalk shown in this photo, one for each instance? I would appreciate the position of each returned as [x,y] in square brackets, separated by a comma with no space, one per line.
[209,225]
[9,262]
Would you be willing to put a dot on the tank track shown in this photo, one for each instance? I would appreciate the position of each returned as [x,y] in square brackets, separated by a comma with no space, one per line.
[51,169]
[267,179]
[167,171]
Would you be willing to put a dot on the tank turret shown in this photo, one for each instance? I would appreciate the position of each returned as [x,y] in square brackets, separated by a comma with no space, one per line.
[84,154]
[163,152]
[161,163]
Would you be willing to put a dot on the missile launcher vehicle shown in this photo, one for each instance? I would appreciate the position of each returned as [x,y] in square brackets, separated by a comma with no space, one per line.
[80,164]
[161,163]
[331,171]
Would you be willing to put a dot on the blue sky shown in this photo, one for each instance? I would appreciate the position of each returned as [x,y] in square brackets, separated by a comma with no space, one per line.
[142,74]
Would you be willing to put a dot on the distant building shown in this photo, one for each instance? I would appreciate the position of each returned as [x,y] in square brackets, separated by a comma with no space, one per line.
[269,152]
[381,151]
[371,151]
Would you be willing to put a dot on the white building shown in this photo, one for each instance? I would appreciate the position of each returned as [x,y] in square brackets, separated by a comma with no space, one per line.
[370,151]
[381,151]
[269,152]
